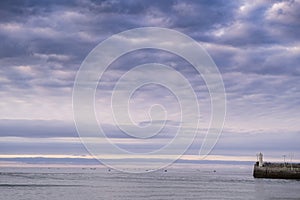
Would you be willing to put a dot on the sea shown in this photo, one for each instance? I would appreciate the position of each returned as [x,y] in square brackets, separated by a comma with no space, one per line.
[86,183]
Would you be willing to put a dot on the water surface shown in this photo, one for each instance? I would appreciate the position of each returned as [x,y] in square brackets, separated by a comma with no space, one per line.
[177,183]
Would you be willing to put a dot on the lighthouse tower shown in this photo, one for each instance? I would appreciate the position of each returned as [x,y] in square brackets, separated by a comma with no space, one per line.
[260,159]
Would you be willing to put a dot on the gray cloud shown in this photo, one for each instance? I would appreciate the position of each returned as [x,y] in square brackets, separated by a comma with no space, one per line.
[36,128]
[249,142]
[255,45]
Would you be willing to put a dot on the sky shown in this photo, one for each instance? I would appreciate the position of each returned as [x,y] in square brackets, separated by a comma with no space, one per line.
[254,44]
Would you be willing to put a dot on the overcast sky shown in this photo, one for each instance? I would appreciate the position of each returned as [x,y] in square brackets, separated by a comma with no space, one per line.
[255,44]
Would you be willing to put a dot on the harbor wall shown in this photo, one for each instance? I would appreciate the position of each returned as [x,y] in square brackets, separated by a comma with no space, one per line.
[277,171]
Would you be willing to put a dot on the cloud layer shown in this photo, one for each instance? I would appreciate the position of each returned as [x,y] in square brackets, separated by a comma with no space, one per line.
[255,45]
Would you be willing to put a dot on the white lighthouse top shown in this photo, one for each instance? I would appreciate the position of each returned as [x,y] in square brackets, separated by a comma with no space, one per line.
[260,159]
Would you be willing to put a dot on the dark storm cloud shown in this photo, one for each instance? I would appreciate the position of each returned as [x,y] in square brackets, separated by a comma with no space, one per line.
[72,29]
[56,27]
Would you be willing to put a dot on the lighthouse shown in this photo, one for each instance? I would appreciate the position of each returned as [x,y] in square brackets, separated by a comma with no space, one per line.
[260,159]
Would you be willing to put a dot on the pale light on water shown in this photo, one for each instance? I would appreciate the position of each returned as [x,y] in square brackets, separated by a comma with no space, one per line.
[176,183]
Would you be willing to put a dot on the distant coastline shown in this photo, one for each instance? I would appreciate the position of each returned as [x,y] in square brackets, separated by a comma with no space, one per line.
[91,161]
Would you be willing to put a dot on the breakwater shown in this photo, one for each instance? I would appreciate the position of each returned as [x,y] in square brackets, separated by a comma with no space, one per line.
[277,170]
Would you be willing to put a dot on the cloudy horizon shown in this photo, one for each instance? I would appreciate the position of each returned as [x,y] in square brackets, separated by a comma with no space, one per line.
[255,46]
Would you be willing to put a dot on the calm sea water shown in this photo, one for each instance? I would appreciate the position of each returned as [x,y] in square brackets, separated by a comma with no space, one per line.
[177,183]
